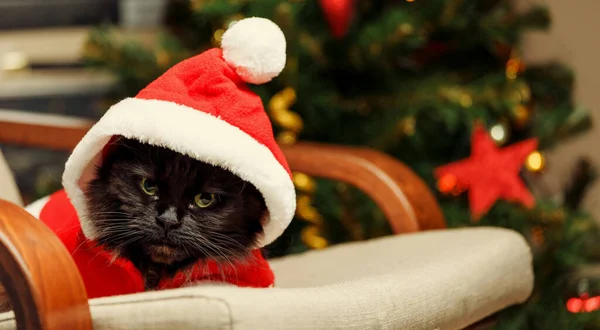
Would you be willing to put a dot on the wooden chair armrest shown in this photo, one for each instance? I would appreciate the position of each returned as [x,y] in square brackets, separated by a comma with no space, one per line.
[46,131]
[404,198]
[39,275]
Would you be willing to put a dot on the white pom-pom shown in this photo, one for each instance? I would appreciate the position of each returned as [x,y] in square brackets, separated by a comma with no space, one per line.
[255,48]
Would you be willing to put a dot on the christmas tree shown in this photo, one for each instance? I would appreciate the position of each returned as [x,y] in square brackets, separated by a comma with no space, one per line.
[438,84]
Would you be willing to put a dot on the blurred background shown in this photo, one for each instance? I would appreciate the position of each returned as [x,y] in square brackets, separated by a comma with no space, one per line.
[413,78]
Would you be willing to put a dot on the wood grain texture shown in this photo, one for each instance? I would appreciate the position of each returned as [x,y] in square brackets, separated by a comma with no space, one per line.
[404,198]
[39,276]
[42,130]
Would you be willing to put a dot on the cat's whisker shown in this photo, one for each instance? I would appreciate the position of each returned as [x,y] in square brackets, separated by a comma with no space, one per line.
[67,229]
[230,241]
[110,220]
[107,226]
[222,255]
[110,233]
[136,151]
[120,238]
[125,243]
[207,244]
[78,247]
[202,250]
[98,213]
[239,193]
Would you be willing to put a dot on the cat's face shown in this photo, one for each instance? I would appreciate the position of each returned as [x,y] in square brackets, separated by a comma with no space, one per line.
[153,205]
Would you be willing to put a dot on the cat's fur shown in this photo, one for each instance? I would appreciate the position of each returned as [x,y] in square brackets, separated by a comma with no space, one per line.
[132,223]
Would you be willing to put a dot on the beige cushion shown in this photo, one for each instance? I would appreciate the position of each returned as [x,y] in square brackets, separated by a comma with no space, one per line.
[431,280]
[8,187]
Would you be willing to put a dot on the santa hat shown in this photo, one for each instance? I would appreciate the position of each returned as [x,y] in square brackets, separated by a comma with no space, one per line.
[202,108]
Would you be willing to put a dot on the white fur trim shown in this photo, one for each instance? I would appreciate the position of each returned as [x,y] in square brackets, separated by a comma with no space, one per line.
[36,207]
[255,48]
[183,129]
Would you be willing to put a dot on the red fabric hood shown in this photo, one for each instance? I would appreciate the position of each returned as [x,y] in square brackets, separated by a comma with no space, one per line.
[104,275]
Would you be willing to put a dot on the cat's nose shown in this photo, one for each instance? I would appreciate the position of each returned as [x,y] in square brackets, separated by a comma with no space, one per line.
[168,220]
[168,223]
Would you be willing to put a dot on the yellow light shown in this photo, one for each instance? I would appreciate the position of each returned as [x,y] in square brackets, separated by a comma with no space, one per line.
[513,67]
[405,28]
[410,0]
[216,38]
[535,161]
[525,92]
[511,74]
[303,182]
[521,115]
[466,100]
[313,239]
[407,126]
[286,138]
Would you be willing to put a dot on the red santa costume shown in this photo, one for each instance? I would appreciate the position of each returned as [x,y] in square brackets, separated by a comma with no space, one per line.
[194,101]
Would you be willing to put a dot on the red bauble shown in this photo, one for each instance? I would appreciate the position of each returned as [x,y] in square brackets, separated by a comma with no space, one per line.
[339,14]
[583,304]
[490,173]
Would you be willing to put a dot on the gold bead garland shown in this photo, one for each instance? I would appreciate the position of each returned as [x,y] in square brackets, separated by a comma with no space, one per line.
[292,124]
[311,235]
[514,66]
[457,95]
[521,95]
[407,126]
[521,113]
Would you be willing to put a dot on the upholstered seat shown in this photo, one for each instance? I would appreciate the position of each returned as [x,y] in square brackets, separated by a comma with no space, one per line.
[444,279]
[8,187]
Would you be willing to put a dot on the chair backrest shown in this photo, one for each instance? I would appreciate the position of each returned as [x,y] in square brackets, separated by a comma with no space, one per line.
[8,186]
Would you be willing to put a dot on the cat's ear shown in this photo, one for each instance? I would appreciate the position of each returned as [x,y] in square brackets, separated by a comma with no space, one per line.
[265,218]
[93,169]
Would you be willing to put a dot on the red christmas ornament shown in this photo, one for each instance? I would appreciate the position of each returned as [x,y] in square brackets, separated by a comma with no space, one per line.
[583,304]
[489,173]
[338,13]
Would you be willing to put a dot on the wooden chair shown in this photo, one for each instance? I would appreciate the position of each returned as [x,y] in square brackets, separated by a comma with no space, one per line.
[437,279]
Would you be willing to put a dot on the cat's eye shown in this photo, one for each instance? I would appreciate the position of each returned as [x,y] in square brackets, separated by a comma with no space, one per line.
[204,200]
[148,186]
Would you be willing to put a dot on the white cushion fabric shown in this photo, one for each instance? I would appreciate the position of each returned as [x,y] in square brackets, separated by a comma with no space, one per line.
[8,186]
[445,279]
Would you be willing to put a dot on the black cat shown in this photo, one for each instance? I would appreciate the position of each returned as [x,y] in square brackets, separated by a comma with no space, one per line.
[165,211]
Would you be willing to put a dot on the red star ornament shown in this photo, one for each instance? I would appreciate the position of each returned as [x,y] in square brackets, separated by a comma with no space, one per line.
[490,173]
